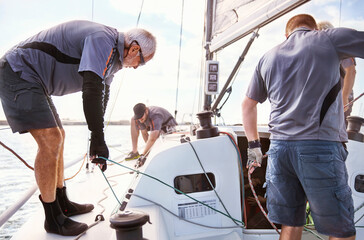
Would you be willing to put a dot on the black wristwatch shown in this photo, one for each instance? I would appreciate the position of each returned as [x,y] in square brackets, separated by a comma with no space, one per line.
[254,144]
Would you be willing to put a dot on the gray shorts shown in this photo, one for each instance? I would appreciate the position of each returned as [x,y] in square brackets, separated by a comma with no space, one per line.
[25,104]
[315,171]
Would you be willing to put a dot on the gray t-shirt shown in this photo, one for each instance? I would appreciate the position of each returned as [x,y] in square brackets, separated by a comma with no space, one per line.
[157,119]
[55,57]
[301,79]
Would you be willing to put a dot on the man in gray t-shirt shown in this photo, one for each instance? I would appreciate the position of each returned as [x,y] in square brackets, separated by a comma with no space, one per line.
[306,158]
[70,57]
[153,119]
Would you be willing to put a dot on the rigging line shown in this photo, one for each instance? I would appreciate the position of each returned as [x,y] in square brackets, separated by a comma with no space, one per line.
[112,190]
[166,184]
[13,152]
[340,13]
[140,13]
[79,170]
[92,13]
[179,57]
[354,100]
[359,219]
[31,168]
[212,186]
[116,97]
[99,217]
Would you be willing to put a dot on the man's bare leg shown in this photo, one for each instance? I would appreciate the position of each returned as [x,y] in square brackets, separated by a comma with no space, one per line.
[291,233]
[49,142]
[60,169]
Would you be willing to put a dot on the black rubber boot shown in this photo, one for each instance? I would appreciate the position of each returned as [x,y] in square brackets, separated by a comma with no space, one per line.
[56,222]
[71,208]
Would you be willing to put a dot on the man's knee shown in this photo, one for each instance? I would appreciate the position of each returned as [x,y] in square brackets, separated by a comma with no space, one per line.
[48,138]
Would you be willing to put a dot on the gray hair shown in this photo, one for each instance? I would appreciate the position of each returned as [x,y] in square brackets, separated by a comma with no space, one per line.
[145,39]
[324,25]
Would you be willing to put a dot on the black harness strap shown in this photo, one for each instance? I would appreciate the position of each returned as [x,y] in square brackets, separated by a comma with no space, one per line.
[52,51]
[329,99]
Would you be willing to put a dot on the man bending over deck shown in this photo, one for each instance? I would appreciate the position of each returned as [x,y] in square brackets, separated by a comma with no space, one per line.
[306,158]
[70,57]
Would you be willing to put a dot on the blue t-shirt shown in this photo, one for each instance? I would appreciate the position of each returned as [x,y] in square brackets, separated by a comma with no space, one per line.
[55,57]
[297,77]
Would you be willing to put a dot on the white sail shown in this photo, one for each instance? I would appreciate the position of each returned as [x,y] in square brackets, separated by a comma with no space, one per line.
[237,18]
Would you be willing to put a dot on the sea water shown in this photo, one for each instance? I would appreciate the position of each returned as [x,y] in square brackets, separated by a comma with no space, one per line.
[16,178]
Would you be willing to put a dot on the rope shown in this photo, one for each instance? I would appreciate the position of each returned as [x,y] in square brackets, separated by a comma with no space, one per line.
[258,202]
[13,152]
[112,190]
[179,57]
[79,170]
[30,167]
[355,99]
[100,217]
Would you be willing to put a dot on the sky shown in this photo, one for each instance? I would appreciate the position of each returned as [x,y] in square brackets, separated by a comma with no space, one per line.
[172,78]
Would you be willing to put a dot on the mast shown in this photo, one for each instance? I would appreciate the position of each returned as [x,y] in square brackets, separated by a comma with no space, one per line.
[209,55]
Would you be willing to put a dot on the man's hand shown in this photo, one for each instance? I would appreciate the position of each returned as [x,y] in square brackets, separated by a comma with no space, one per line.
[98,149]
[255,157]
[141,160]
[100,162]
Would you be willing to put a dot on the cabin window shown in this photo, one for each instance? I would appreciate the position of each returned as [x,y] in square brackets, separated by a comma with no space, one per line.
[359,183]
[194,183]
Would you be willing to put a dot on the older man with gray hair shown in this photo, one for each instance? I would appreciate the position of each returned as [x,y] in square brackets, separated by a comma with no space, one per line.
[70,57]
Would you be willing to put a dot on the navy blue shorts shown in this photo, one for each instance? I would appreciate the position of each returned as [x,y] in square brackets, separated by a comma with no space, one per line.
[25,104]
[315,171]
